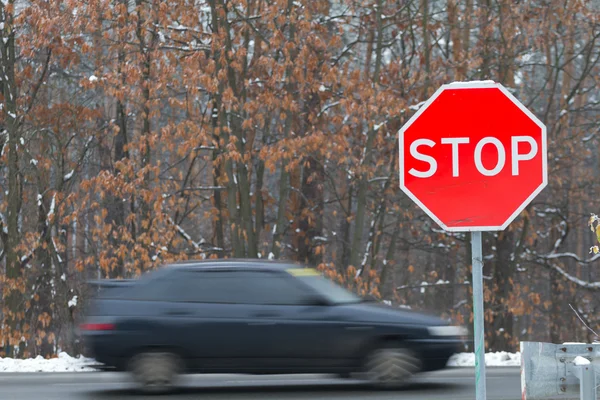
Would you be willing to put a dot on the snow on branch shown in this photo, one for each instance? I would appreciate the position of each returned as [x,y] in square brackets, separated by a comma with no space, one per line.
[68,176]
[52,208]
[205,148]
[554,255]
[27,257]
[56,252]
[326,107]
[424,285]
[3,223]
[573,256]
[188,238]
[577,281]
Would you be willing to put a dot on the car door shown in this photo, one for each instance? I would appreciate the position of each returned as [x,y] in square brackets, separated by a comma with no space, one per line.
[323,336]
[202,317]
[233,319]
[289,329]
[335,337]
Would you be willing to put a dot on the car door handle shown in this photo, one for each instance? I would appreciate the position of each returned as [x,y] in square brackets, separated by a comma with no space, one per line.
[265,315]
[178,312]
[359,328]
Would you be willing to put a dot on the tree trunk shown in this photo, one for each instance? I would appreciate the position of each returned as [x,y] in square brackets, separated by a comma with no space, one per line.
[426,48]
[485,7]
[12,312]
[222,135]
[284,189]
[455,35]
[501,334]
[361,195]
[217,175]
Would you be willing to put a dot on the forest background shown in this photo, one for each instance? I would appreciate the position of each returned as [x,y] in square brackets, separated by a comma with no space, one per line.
[139,132]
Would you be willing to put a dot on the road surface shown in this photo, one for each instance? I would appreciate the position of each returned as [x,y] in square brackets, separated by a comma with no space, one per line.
[503,383]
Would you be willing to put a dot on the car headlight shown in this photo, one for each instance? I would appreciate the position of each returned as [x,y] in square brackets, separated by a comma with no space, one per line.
[447,331]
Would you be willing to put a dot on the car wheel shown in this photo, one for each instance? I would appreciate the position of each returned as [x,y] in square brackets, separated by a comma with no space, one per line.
[155,371]
[391,366]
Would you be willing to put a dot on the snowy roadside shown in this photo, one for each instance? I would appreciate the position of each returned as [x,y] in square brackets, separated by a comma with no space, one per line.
[66,363]
[498,359]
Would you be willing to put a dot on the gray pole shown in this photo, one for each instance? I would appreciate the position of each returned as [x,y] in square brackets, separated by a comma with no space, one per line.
[477,261]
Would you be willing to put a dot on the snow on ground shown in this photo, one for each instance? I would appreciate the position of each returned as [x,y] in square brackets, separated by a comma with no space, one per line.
[498,359]
[64,363]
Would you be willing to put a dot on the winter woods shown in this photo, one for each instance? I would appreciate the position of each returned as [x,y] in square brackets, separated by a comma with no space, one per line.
[137,132]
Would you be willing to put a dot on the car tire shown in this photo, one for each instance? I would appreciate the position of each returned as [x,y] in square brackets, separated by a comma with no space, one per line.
[156,372]
[391,366]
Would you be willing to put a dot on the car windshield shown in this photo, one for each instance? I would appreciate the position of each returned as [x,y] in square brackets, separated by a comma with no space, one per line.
[325,287]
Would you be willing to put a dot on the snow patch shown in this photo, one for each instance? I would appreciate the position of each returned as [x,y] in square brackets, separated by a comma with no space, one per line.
[64,363]
[581,361]
[497,359]
[471,83]
[52,206]
[415,107]
[73,302]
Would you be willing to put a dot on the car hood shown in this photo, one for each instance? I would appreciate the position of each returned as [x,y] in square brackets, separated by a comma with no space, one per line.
[375,312]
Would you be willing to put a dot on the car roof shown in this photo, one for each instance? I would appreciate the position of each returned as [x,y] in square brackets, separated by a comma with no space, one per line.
[251,263]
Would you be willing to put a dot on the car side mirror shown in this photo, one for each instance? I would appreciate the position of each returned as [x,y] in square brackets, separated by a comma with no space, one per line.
[315,300]
[370,299]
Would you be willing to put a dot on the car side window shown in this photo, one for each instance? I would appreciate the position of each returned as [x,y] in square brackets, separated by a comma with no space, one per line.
[238,287]
[158,289]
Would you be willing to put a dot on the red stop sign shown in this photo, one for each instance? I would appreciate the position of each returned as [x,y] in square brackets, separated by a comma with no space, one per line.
[473,157]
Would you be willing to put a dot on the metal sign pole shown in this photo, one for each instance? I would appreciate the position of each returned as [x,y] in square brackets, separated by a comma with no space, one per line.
[477,262]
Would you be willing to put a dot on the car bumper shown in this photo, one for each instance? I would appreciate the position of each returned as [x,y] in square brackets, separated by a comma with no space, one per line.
[105,350]
[436,352]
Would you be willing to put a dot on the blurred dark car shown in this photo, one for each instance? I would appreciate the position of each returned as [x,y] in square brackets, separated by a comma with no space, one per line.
[256,317]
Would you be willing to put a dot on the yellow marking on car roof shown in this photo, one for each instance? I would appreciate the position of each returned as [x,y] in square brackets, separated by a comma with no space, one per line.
[303,271]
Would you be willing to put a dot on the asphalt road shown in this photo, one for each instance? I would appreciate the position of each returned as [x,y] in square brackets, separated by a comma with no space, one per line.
[503,383]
